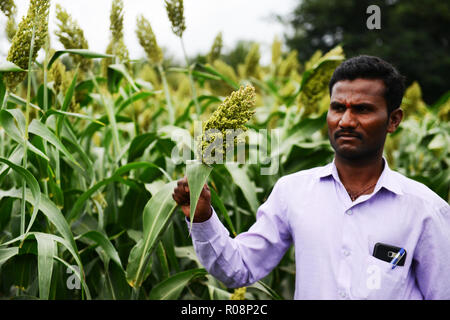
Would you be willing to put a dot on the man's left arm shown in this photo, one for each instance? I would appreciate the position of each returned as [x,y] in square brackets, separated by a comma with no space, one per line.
[432,255]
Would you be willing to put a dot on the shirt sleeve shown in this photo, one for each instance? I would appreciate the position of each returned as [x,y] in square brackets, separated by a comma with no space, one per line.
[432,256]
[243,260]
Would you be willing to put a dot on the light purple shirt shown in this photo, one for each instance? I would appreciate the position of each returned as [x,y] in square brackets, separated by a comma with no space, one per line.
[334,239]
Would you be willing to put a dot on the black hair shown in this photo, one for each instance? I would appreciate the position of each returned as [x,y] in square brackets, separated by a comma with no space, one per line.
[370,67]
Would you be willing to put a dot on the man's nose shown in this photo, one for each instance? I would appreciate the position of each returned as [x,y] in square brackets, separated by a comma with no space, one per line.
[348,120]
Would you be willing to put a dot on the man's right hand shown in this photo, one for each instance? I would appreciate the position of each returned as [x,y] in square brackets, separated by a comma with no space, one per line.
[181,196]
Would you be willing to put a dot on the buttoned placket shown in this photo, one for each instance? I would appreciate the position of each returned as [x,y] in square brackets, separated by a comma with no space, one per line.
[349,209]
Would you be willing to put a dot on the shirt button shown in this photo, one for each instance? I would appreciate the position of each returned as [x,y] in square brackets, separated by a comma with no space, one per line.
[349,211]
[342,294]
[346,252]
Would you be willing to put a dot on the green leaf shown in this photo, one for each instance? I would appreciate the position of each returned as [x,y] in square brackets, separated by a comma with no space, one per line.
[21,102]
[78,205]
[68,244]
[171,288]
[72,114]
[15,157]
[101,240]
[197,173]
[81,52]
[133,263]
[157,215]
[69,93]
[218,204]
[139,144]
[8,121]
[133,98]
[32,183]
[46,251]
[266,289]
[7,66]
[52,213]
[38,128]
[7,253]
[122,71]
[212,70]
[162,256]
[2,90]
[247,187]
[196,73]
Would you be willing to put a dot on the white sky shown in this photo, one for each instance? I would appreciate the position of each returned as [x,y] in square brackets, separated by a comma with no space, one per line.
[236,19]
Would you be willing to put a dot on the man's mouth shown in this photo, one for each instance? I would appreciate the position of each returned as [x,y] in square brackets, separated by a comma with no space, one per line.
[347,136]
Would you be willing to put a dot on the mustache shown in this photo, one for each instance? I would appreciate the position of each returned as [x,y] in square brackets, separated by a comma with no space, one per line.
[347,132]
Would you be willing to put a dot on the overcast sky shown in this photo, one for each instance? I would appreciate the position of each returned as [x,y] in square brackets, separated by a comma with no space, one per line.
[236,19]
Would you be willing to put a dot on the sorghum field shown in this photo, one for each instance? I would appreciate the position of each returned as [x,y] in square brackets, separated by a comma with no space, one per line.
[92,143]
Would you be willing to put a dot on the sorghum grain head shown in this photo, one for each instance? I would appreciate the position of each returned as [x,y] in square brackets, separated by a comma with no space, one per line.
[231,114]
[216,49]
[36,19]
[147,39]
[72,37]
[175,11]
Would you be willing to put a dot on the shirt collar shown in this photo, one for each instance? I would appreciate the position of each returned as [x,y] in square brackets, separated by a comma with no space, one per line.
[387,178]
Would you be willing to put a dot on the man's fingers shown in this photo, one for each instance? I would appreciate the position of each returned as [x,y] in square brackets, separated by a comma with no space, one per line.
[205,191]
[182,184]
[181,198]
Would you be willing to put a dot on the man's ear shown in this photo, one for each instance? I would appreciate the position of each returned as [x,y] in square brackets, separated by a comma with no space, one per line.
[395,118]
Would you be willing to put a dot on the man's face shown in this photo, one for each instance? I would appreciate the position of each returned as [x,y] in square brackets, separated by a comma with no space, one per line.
[358,119]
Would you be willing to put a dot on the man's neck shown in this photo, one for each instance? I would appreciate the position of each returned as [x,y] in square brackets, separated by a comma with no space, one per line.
[357,174]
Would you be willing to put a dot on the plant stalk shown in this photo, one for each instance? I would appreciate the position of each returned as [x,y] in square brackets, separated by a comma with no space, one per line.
[167,94]
[2,138]
[27,120]
[191,80]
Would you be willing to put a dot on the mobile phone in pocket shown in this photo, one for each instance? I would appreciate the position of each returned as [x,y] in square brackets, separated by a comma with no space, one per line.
[387,252]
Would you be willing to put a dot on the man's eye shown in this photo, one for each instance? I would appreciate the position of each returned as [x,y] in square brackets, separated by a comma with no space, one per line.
[337,107]
[361,108]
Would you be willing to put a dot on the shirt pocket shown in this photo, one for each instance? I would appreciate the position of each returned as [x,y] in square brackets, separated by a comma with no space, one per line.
[376,280]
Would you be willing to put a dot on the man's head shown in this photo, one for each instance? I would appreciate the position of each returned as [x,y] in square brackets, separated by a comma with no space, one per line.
[366,93]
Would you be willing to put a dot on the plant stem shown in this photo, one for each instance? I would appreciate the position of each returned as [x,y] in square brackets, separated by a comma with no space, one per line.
[109,106]
[5,100]
[45,74]
[167,94]
[45,182]
[27,120]
[108,279]
[2,138]
[135,294]
[191,80]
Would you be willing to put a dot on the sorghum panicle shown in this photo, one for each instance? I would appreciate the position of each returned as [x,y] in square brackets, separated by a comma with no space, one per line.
[276,51]
[232,114]
[147,39]
[117,45]
[175,11]
[21,43]
[216,49]
[251,68]
[412,103]
[72,37]
[316,87]
[239,294]
[8,7]
[289,65]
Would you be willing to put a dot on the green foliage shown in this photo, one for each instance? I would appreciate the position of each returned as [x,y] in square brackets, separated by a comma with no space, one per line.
[98,178]
[409,32]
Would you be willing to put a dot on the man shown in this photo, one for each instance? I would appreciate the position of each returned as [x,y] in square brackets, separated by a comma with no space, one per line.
[350,221]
